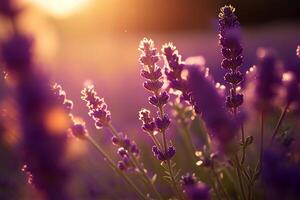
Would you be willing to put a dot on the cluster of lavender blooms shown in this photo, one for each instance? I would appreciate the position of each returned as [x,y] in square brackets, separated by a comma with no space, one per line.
[154,84]
[102,118]
[37,105]
[232,53]
[229,174]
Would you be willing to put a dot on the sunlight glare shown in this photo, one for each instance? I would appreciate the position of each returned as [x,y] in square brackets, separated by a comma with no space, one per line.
[60,8]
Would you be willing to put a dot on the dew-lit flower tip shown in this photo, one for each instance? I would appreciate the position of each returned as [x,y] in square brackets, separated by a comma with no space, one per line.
[97,107]
[169,154]
[61,97]
[149,54]
[188,179]
[227,18]
[229,38]
[122,152]
[16,53]
[210,104]
[174,69]
[79,130]
[163,123]
[148,122]
[298,51]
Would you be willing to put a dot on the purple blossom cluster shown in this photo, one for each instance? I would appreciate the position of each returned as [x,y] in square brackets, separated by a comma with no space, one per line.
[97,107]
[210,104]
[154,84]
[173,70]
[127,149]
[225,166]
[37,104]
[232,53]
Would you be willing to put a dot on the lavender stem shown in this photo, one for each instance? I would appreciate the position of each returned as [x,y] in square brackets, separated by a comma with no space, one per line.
[280,120]
[113,166]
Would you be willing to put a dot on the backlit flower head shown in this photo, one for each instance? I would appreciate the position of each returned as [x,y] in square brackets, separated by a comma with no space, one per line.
[97,107]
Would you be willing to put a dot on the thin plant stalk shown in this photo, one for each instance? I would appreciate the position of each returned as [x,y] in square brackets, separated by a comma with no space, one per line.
[280,120]
[239,174]
[175,185]
[115,168]
[219,182]
[243,142]
[136,163]
[147,179]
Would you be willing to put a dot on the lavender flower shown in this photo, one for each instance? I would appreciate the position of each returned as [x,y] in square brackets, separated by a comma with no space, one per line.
[194,189]
[163,156]
[210,105]
[38,106]
[127,149]
[173,70]
[148,122]
[43,139]
[153,75]
[267,79]
[97,107]
[232,54]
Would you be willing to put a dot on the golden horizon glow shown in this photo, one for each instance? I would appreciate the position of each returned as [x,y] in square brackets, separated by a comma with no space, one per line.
[60,8]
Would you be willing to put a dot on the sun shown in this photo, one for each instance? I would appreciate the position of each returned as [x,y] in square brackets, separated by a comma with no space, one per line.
[60,8]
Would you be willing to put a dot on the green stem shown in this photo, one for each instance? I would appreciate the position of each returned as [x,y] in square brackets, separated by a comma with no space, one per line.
[238,170]
[146,178]
[243,142]
[214,187]
[115,168]
[219,182]
[280,120]
[188,142]
[259,164]
[180,194]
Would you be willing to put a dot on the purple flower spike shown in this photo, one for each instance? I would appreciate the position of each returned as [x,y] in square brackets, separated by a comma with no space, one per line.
[160,100]
[97,107]
[268,78]
[148,122]
[232,54]
[162,123]
[79,131]
[210,105]
[170,152]
[173,70]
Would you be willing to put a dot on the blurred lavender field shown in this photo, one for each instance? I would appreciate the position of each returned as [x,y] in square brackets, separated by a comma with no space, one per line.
[80,48]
